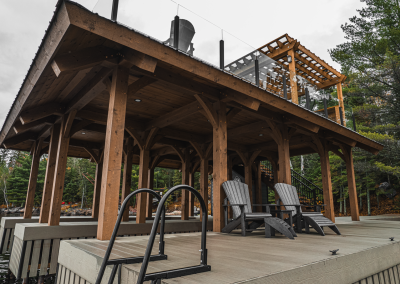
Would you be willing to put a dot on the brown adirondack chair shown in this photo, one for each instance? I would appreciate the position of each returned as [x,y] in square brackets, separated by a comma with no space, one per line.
[239,199]
[290,199]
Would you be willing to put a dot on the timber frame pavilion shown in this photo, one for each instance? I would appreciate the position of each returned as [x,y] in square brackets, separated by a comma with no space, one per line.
[81,96]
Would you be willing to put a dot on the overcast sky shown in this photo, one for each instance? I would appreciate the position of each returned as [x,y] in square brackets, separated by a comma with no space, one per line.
[315,23]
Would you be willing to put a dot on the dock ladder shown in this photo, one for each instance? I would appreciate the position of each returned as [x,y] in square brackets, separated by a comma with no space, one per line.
[160,214]
[118,262]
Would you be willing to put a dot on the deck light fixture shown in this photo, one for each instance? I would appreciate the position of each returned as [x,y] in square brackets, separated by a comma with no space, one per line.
[138,100]
[289,59]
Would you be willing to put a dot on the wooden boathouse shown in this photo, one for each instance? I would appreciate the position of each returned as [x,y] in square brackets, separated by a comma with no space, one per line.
[99,90]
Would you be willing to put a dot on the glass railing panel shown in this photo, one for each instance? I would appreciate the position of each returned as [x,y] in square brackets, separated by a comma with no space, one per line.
[206,40]
[239,58]
[103,8]
[151,17]
[274,77]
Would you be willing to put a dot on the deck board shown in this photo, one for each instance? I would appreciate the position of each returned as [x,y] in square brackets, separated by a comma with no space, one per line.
[255,259]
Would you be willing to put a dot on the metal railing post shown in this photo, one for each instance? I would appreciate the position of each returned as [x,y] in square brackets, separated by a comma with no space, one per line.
[257,70]
[221,54]
[341,116]
[176,32]
[308,103]
[326,108]
[284,87]
[114,11]
[354,122]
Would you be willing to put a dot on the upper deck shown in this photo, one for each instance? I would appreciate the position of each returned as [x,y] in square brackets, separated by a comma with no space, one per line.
[71,72]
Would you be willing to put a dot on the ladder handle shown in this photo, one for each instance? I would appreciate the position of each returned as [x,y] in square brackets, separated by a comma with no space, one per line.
[160,208]
[115,232]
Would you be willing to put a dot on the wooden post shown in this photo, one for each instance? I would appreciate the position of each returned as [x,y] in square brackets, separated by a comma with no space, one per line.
[258,187]
[49,178]
[143,183]
[97,190]
[248,179]
[191,195]
[322,148]
[281,136]
[144,166]
[284,172]
[230,160]
[340,98]
[113,150]
[30,194]
[204,181]
[216,114]
[248,160]
[61,164]
[127,178]
[351,181]
[220,165]
[185,180]
[150,185]
[327,184]
[293,78]
[275,168]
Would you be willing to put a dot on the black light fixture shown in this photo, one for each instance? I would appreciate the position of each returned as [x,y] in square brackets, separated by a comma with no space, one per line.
[289,59]
[138,100]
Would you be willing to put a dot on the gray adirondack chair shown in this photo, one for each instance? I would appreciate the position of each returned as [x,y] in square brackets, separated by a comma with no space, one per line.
[239,199]
[289,198]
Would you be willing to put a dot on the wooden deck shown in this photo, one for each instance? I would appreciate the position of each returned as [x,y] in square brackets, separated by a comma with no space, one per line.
[42,242]
[364,250]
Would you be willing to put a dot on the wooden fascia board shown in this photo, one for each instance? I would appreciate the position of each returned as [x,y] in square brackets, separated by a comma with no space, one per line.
[53,37]
[86,20]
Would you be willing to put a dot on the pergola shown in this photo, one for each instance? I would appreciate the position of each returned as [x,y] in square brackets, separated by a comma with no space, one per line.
[99,90]
[304,63]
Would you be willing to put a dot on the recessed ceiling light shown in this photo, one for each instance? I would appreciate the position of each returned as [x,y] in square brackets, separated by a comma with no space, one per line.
[138,100]
[83,132]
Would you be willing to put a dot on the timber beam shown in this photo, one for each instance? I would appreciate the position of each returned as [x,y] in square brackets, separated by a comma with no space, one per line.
[19,127]
[41,111]
[174,116]
[178,80]
[82,59]
[92,89]
[140,60]
[19,138]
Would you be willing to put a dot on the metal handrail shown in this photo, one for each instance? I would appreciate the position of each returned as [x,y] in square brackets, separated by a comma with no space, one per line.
[118,262]
[203,267]
[305,188]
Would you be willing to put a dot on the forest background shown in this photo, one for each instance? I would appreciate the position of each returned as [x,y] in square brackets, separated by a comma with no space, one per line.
[370,58]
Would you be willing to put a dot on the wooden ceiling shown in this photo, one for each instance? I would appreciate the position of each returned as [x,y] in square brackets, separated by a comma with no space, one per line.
[161,99]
